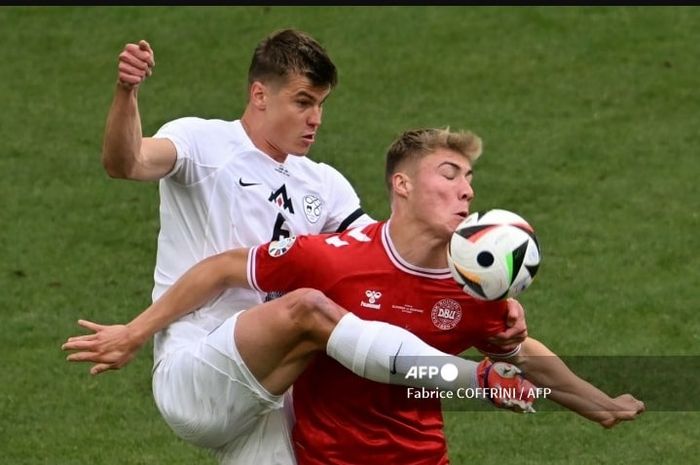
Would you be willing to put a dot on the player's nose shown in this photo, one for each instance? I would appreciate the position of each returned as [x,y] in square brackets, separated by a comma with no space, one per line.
[315,116]
[466,192]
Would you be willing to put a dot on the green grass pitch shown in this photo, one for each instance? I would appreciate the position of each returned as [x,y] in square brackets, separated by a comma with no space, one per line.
[590,121]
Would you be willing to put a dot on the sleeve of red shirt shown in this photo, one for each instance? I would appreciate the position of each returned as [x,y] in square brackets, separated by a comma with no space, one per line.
[495,313]
[287,264]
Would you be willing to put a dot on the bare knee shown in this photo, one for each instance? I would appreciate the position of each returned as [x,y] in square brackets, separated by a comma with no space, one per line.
[313,312]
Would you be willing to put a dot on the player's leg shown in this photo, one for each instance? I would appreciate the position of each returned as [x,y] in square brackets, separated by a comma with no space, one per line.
[207,398]
[215,391]
[212,397]
[276,341]
[268,441]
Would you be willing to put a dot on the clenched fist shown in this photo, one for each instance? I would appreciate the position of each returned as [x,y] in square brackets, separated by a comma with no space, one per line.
[136,63]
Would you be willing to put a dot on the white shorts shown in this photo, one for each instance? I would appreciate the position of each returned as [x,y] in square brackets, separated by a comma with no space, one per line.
[209,398]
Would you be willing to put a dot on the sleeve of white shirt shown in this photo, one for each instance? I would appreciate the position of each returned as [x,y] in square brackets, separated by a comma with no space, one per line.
[344,204]
[190,136]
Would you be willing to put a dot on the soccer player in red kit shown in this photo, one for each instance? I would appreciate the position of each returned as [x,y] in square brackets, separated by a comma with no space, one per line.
[395,272]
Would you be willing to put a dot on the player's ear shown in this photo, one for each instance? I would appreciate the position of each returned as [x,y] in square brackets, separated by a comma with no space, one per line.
[258,95]
[401,184]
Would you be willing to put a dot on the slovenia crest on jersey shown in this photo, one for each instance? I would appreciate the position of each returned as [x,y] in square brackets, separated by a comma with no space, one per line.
[280,247]
[312,207]
[446,314]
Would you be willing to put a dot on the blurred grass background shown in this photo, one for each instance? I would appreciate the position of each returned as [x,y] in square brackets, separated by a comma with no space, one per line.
[590,122]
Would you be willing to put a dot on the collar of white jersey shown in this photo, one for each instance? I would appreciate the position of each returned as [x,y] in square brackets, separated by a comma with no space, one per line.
[403,265]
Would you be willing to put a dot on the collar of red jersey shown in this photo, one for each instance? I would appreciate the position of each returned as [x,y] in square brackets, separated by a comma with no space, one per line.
[403,265]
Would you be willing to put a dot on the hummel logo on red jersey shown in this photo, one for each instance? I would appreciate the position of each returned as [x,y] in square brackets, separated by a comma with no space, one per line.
[372,297]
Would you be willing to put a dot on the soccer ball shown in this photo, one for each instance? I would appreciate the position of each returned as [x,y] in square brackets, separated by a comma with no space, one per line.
[493,254]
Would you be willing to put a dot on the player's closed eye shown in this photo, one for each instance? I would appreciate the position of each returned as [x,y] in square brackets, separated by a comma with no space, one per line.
[449,172]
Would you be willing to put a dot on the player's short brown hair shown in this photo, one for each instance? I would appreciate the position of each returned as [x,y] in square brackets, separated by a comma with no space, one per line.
[416,143]
[288,52]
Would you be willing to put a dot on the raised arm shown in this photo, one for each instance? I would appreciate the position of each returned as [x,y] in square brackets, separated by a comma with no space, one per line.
[545,369]
[113,346]
[125,152]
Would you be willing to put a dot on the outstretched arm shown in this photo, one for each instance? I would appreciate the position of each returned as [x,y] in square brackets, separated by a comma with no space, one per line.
[113,346]
[125,152]
[545,369]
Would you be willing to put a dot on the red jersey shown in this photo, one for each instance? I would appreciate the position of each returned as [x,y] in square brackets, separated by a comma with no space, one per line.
[342,418]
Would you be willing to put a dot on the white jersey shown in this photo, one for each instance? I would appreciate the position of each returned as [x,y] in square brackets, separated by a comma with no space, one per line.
[224,193]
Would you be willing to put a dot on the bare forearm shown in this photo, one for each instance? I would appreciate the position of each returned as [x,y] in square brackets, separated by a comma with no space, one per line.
[122,139]
[545,369]
[197,286]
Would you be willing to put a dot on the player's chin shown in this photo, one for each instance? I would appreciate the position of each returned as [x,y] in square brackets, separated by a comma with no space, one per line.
[299,150]
[304,145]
[455,221]
[446,230]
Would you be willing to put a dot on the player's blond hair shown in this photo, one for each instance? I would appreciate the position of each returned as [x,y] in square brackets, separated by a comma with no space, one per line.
[416,143]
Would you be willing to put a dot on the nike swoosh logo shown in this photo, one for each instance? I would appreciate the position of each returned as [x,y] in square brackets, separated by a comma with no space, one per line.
[393,365]
[247,184]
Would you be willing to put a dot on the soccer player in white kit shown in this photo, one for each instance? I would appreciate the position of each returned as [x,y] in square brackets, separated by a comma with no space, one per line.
[226,184]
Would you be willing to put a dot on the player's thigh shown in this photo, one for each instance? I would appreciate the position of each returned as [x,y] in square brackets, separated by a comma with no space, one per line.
[207,395]
[276,339]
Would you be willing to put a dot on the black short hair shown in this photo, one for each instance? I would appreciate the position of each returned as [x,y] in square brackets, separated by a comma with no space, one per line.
[288,52]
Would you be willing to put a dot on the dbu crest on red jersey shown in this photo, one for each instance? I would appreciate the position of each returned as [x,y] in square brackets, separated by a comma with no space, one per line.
[446,314]
[280,247]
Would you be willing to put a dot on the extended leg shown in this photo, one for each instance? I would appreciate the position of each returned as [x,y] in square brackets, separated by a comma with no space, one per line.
[277,339]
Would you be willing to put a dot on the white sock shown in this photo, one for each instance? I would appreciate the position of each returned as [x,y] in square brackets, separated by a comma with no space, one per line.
[370,348]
